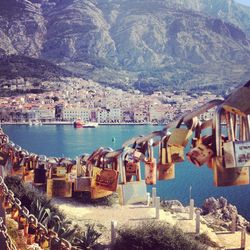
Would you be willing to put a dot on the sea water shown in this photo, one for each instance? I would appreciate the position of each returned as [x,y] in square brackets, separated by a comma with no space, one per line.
[66,141]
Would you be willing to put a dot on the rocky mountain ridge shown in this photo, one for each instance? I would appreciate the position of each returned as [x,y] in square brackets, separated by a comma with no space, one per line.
[148,44]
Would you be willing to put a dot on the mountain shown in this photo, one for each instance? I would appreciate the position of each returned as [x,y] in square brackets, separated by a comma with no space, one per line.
[29,74]
[15,66]
[146,44]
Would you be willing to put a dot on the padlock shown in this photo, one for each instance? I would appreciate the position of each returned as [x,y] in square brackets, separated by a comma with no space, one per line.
[82,184]
[106,175]
[132,192]
[30,239]
[226,176]
[150,172]
[59,172]
[178,139]
[33,161]
[44,242]
[40,174]
[32,225]
[7,204]
[97,192]
[106,179]
[28,176]
[229,176]
[4,139]
[3,158]
[165,167]
[164,155]
[137,156]
[200,155]
[176,153]
[166,171]
[201,152]
[41,237]
[58,187]
[23,220]
[237,151]
[238,101]
[15,213]
[131,169]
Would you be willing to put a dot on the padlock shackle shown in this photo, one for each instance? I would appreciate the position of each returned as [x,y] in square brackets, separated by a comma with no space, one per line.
[32,219]
[217,130]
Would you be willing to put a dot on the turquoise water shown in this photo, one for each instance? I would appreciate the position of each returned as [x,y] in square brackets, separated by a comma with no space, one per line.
[64,140]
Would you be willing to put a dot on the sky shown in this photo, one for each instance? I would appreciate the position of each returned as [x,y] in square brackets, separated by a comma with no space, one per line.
[246,2]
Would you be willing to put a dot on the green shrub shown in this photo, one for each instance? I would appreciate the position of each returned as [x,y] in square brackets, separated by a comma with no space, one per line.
[155,235]
[50,216]
[87,239]
[204,239]
[27,193]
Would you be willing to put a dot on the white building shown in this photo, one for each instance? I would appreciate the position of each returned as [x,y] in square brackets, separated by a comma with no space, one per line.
[73,113]
[113,115]
[43,114]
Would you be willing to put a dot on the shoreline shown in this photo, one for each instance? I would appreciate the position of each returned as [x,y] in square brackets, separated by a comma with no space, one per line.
[71,123]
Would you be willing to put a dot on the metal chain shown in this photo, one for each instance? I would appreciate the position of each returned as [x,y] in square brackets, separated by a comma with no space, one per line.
[8,241]
[41,230]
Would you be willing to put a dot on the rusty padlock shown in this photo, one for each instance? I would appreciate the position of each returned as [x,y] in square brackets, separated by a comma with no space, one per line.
[225,176]
[165,167]
[201,152]
[178,139]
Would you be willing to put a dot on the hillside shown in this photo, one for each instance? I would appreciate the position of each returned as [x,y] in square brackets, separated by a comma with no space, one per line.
[23,70]
[141,43]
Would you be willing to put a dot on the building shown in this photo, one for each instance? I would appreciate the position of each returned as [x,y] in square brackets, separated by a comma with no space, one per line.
[73,113]
[113,115]
[157,113]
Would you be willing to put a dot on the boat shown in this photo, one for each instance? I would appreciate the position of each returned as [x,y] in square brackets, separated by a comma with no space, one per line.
[81,124]
[35,123]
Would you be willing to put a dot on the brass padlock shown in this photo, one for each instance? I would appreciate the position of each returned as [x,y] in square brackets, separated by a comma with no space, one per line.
[200,155]
[131,169]
[44,242]
[150,172]
[23,220]
[229,176]
[15,213]
[59,172]
[201,152]
[58,187]
[178,139]
[7,204]
[166,171]
[106,179]
[225,176]
[32,225]
[3,158]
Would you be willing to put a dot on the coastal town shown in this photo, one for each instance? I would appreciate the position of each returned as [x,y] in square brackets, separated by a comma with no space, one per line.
[76,98]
